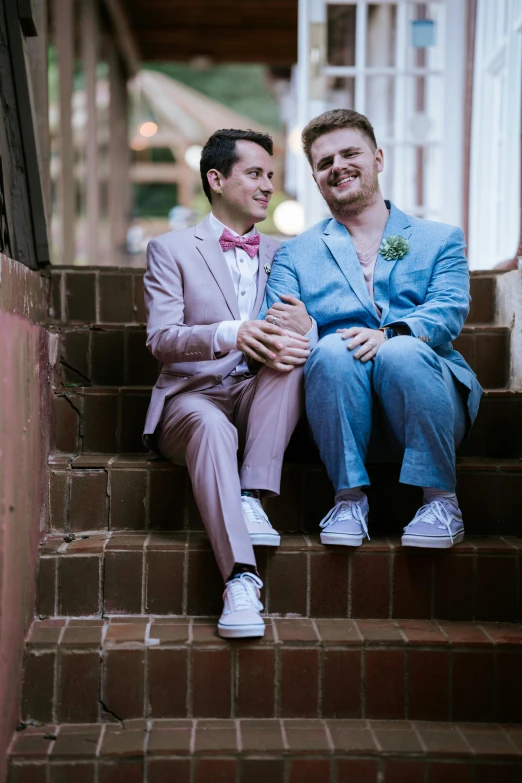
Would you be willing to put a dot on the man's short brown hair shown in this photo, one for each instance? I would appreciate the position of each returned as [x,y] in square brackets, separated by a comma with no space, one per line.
[334,120]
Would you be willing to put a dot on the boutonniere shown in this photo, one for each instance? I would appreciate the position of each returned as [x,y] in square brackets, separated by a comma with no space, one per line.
[268,268]
[394,248]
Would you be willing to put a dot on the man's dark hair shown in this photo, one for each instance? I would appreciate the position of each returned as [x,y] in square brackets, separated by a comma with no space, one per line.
[333,120]
[220,151]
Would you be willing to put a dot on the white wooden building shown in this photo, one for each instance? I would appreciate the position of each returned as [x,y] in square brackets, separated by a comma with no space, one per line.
[441,83]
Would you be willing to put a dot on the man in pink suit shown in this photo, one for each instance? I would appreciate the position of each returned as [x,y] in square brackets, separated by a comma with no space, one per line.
[204,288]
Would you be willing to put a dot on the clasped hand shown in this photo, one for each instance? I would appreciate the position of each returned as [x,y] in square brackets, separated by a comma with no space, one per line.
[280,349]
[365,342]
[290,314]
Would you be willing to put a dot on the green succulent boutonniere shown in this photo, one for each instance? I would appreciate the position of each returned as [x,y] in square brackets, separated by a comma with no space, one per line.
[394,248]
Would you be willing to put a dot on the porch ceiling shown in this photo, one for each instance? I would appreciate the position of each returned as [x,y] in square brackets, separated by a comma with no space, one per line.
[246,31]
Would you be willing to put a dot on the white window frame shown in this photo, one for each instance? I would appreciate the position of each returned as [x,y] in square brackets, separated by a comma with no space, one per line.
[494,215]
[453,74]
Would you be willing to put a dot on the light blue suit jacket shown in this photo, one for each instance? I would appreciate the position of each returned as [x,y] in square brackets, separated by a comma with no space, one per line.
[427,289]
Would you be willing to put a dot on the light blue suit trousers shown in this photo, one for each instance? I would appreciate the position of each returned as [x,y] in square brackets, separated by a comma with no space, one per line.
[406,396]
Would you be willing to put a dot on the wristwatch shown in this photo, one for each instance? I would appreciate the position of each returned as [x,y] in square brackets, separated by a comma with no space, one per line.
[390,332]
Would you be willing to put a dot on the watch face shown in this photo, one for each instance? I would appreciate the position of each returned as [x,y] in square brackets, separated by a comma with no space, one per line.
[390,332]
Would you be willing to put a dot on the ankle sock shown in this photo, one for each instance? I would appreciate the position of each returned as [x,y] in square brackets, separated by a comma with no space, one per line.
[354,494]
[252,493]
[431,494]
[242,568]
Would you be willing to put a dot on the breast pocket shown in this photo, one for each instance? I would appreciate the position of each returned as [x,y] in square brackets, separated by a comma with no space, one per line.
[417,273]
[412,286]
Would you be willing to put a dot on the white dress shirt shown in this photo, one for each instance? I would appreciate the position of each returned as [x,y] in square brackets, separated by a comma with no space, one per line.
[244,273]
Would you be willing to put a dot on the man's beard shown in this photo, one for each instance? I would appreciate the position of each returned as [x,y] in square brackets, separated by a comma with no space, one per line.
[355,203]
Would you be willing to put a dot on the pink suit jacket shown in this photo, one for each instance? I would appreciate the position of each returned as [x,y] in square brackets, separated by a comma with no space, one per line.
[188,292]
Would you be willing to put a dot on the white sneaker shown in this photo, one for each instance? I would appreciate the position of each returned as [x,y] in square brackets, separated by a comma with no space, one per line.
[346,524]
[437,525]
[258,525]
[241,612]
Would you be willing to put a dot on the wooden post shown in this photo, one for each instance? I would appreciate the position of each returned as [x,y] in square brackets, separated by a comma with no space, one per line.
[119,158]
[37,55]
[64,41]
[90,48]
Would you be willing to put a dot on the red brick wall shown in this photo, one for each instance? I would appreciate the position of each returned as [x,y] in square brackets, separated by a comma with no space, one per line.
[24,438]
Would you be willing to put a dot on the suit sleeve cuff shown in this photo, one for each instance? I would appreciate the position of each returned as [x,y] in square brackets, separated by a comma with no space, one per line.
[313,333]
[225,337]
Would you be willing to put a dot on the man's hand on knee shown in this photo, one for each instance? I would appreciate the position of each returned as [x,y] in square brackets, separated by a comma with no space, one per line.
[290,314]
[272,345]
[365,342]
[293,352]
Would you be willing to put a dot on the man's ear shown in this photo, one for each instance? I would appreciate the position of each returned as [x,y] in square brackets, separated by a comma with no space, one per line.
[215,180]
[379,159]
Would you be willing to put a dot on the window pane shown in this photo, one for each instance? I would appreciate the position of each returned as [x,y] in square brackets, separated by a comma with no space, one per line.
[340,93]
[341,34]
[381,35]
[424,108]
[380,105]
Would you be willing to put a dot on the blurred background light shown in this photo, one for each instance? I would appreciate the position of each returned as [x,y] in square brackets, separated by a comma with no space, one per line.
[193,156]
[148,129]
[289,217]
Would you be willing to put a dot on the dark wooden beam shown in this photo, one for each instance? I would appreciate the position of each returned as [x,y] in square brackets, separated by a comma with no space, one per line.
[262,31]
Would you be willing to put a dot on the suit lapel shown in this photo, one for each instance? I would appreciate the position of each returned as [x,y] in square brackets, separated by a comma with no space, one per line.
[339,242]
[265,256]
[210,249]
[398,224]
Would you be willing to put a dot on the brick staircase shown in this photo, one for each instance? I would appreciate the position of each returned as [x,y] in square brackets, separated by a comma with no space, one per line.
[379,665]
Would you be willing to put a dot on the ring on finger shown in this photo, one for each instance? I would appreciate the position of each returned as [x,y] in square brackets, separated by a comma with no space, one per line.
[370,342]
[274,320]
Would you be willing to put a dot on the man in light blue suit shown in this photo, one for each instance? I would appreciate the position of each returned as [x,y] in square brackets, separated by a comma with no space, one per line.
[389,292]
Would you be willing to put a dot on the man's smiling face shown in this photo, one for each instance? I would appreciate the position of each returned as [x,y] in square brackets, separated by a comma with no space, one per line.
[345,166]
[248,188]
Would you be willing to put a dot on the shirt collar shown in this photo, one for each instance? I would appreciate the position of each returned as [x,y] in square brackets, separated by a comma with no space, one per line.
[218,227]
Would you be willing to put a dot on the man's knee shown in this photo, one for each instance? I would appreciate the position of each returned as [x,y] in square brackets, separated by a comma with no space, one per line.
[198,427]
[330,358]
[405,356]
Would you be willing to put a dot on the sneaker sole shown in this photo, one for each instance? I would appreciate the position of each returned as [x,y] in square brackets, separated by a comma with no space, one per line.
[241,631]
[435,542]
[338,539]
[259,539]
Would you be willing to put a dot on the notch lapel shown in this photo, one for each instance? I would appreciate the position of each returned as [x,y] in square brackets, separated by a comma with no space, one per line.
[398,224]
[214,258]
[339,242]
[265,256]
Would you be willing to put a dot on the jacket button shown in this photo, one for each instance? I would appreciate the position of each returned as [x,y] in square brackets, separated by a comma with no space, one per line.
[219,377]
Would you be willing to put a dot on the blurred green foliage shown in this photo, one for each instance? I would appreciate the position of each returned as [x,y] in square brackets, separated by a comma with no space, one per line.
[243,88]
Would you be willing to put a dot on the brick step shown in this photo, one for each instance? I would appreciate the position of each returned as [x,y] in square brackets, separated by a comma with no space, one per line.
[497,431]
[98,295]
[115,355]
[106,355]
[176,574]
[486,349]
[88,670]
[279,751]
[137,492]
[105,420]
[483,290]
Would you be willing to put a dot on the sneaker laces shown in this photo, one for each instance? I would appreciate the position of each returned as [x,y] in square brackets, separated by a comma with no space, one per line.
[346,511]
[432,513]
[241,592]
[253,510]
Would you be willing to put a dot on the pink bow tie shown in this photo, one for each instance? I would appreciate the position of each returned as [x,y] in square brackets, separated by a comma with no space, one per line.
[250,244]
